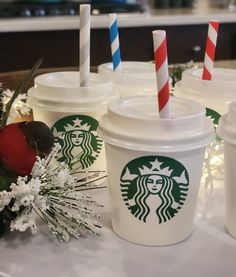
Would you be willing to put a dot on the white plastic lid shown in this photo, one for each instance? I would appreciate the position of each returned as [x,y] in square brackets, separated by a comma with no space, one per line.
[131,71]
[62,89]
[222,85]
[134,123]
[227,125]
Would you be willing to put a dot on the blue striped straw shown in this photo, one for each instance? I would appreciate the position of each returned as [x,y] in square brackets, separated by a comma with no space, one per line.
[114,39]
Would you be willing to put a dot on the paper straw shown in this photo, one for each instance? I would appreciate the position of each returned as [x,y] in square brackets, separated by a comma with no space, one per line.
[114,39]
[84,44]
[210,49]
[162,75]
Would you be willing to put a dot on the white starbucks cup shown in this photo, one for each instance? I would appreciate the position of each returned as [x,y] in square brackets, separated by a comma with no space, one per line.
[72,112]
[215,95]
[135,78]
[154,167]
[227,131]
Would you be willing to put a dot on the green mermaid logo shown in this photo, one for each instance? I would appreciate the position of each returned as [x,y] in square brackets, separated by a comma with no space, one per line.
[77,135]
[154,188]
[215,117]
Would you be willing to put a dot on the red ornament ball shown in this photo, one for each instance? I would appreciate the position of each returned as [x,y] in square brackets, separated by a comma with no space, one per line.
[21,142]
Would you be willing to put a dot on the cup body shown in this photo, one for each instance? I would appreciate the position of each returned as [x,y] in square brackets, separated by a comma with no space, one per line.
[216,96]
[135,78]
[154,167]
[72,112]
[227,131]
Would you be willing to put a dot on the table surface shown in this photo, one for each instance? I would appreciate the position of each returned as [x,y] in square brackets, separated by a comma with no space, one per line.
[209,251]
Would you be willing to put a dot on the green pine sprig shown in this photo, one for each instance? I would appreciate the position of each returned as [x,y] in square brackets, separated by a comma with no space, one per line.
[19,89]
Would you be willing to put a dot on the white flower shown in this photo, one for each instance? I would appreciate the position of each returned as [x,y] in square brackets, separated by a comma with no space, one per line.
[35,184]
[39,167]
[20,188]
[5,198]
[42,203]
[24,221]
[24,192]
[62,178]
[19,107]
[26,200]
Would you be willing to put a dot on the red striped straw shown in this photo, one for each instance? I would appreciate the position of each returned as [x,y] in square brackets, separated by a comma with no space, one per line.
[160,54]
[210,49]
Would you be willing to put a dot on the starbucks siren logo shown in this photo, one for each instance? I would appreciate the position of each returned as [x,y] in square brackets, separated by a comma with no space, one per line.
[154,188]
[215,117]
[77,135]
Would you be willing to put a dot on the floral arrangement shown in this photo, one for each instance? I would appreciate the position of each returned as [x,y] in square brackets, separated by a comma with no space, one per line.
[33,184]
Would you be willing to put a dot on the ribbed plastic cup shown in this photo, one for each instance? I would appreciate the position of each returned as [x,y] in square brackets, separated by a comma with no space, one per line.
[215,94]
[227,131]
[135,78]
[154,167]
[73,113]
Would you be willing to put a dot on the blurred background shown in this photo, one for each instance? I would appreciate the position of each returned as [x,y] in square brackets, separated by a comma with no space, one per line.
[39,8]
[11,8]
[30,29]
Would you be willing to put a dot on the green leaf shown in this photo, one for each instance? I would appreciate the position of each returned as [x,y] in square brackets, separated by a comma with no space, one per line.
[2,228]
[1,102]
[176,74]
[6,178]
[213,115]
[20,88]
